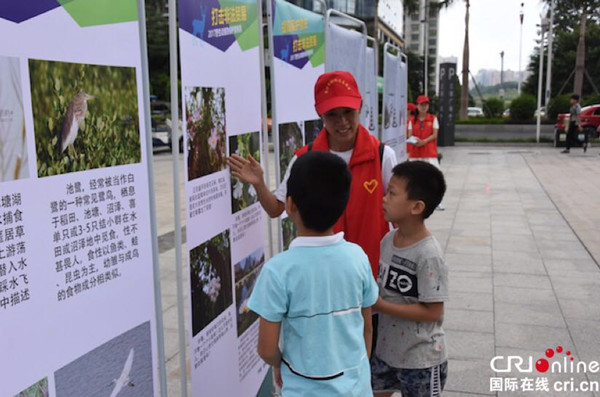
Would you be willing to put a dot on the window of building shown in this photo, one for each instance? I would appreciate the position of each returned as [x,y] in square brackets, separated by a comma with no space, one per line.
[432,41]
[414,17]
[414,37]
[432,51]
[414,47]
[414,27]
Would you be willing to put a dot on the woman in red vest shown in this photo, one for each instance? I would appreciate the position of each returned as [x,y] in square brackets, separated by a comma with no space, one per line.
[423,131]
[338,102]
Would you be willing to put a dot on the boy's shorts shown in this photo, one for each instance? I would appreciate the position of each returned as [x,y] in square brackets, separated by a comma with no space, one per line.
[422,382]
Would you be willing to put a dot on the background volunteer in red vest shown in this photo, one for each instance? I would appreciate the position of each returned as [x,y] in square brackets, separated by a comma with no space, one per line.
[338,102]
[422,132]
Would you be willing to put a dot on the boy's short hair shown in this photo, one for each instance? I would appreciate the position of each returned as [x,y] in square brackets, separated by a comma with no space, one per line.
[575,96]
[424,182]
[319,185]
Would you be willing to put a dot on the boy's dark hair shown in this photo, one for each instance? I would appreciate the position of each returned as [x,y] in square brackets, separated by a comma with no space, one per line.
[575,96]
[319,184]
[424,182]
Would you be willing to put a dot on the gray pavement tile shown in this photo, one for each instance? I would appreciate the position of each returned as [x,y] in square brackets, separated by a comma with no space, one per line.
[530,337]
[468,320]
[521,280]
[465,345]
[510,230]
[459,248]
[577,252]
[470,301]
[470,282]
[574,309]
[515,245]
[547,314]
[468,378]
[530,266]
[484,241]
[588,293]
[470,232]
[485,261]
[586,267]
[585,334]
[520,295]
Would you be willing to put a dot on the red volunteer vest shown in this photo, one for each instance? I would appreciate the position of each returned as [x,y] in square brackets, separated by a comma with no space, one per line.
[362,222]
[430,149]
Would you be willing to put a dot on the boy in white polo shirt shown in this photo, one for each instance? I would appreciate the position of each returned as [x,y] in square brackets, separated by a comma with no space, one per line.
[318,293]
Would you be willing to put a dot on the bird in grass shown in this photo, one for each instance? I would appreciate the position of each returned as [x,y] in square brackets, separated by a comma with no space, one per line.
[76,112]
[124,380]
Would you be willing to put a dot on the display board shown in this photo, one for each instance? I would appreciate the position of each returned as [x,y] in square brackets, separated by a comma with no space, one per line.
[296,55]
[225,230]
[394,103]
[77,295]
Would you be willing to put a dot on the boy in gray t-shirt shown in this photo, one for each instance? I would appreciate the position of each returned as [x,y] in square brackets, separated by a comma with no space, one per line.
[411,351]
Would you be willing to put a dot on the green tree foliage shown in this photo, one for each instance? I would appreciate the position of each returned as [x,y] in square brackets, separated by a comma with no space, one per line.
[558,104]
[522,108]
[157,36]
[493,107]
[565,42]
[109,134]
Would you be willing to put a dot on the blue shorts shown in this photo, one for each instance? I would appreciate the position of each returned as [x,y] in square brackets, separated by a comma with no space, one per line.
[421,382]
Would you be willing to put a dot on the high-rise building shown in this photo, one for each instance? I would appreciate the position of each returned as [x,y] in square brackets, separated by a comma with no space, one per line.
[421,33]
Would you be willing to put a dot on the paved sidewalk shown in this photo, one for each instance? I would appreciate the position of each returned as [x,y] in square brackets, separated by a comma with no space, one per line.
[521,238]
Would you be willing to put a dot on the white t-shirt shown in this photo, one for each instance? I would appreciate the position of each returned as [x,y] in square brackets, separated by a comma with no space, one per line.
[388,162]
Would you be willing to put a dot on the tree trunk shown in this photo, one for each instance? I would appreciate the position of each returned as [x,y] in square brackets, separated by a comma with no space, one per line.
[464,91]
[580,57]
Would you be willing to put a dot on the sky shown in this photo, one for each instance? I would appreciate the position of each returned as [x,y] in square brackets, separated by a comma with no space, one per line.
[493,27]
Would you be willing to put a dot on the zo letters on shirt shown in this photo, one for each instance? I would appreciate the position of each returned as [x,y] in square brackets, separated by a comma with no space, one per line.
[402,277]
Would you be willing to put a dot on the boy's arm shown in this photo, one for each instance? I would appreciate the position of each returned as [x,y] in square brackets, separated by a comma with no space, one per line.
[368,329]
[268,342]
[423,312]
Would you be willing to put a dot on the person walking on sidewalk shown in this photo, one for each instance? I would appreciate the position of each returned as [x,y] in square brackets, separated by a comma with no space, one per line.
[575,125]
[422,135]
[338,102]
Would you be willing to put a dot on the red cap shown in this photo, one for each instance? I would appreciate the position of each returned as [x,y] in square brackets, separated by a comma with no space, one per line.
[411,107]
[422,99]
[335,90]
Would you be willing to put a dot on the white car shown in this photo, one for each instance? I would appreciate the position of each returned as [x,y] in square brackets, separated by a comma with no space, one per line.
[474,112]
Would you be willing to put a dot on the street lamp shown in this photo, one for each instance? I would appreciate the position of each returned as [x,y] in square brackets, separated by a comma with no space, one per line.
[521,14]
[501,69]
[543,27]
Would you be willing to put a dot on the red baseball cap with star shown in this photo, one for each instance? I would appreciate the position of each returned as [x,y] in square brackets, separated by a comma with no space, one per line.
[336,90]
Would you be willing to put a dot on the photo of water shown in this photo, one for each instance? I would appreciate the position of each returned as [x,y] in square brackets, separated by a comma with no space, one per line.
[121,367]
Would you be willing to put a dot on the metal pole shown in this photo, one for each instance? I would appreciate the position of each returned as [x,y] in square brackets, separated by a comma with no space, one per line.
[173,65]
[539,94]
[549,66]
[426,47]
[160,337]
[521,15]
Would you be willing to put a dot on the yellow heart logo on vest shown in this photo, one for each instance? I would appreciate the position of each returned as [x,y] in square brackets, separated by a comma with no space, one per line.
[370,185]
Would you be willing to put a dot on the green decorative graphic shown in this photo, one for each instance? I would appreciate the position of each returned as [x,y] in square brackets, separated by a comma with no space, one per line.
[248,38]
[101,12]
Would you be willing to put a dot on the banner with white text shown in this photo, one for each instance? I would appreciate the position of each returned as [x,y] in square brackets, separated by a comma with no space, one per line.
[77,296]
[221,109]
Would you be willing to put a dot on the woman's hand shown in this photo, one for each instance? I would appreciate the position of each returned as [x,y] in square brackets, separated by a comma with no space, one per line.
[248,171]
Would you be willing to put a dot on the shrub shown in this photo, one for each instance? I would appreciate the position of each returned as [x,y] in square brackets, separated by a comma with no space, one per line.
[493,107]
[558,104]
[522,108]
[591,100]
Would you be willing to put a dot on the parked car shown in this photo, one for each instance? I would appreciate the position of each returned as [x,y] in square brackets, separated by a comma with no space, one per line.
[590,120]
[474,112]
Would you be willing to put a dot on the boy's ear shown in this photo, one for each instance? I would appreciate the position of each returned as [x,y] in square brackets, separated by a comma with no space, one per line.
[418,207]
[290,206]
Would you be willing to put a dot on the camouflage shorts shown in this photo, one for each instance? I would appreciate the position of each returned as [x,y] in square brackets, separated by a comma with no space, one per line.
[422,382]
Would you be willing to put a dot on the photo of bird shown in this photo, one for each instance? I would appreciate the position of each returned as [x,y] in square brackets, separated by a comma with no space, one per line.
[76,112]
[123,379]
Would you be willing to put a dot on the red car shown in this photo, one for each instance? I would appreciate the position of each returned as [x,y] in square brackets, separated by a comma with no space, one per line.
[590,120]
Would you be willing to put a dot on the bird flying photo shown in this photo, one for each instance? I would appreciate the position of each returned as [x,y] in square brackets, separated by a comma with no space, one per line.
[123,380]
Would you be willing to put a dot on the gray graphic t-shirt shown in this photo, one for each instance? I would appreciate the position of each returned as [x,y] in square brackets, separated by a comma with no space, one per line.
[413,274]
